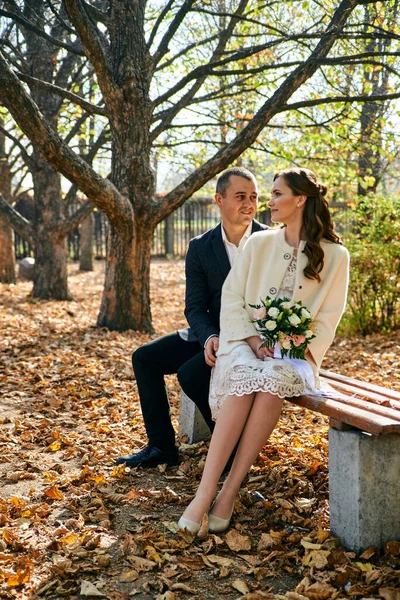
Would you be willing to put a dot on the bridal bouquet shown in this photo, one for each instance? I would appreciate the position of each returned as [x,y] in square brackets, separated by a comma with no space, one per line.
[288,325]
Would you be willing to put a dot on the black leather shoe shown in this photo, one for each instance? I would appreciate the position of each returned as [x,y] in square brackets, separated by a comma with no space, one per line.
[150,457]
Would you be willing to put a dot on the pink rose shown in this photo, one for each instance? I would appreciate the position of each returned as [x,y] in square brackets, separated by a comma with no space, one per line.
[285,341]
[260,313]
[298,340]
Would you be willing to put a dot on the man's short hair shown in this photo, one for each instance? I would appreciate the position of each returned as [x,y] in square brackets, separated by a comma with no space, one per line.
[223,179]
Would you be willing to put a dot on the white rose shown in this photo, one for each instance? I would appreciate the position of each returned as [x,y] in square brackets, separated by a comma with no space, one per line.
[273,312]
[285,305]
[305,314]
[286,344]
[308,333]
[270,325]
[294,320]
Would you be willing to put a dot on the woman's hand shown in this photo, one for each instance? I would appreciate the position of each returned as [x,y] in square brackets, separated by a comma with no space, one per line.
[255,342]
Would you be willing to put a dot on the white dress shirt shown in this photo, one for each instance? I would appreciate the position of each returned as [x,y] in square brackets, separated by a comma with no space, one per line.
[233,252]
[231,249]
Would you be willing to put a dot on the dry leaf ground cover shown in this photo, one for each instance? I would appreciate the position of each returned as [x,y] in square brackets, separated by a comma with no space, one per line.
[73,525]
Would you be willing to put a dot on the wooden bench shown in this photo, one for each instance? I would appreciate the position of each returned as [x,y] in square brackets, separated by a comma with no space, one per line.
[364,457]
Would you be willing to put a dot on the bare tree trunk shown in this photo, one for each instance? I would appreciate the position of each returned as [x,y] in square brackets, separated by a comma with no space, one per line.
[7,254]
[51,267]
[126,296]
[370,160]
[51,275]
[86,244]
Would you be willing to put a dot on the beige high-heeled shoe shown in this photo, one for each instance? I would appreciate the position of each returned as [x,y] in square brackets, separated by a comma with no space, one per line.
[218,525]
[191,526]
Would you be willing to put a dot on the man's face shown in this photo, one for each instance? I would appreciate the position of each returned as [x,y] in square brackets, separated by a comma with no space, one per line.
[239,205]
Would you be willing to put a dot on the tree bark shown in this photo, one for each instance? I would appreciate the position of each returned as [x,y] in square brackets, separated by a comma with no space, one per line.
[370,164]
[86,244]
[7,254]
[126,297]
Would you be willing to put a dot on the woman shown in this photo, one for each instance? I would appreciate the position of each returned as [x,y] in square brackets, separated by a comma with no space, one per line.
[304,260]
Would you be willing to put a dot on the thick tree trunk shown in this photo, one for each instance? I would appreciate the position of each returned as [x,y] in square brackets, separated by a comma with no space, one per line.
[86,244]
[51,267]
[51,275]
[126,296]
[50,248]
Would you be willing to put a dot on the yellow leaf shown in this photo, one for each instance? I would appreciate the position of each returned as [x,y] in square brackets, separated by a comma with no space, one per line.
[316,558]
[322,535]
[69,539]
[20,577]
[54,493]
[364,566]
[128,575]
[240,586]
[17,502]
[309,545]
[152,554]
[54,446]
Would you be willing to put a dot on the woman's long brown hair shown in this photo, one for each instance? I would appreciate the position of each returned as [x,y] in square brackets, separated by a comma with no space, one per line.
[317,220]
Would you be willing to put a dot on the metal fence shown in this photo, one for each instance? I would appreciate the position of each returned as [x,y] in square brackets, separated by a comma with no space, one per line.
[171,236]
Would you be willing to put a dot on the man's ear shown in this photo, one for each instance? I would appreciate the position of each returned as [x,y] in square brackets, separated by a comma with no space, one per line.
[218,199]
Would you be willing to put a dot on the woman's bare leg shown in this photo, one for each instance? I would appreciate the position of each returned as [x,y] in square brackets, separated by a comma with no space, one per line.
[264,415]
[228,428]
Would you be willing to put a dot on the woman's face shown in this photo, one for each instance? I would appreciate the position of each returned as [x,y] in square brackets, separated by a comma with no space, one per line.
[285,206]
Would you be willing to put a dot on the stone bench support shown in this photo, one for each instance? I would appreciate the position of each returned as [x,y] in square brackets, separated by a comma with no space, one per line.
[364,480]
[191,422]
[364,488]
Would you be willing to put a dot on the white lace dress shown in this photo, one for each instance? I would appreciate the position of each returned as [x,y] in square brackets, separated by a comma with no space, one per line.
[240,372]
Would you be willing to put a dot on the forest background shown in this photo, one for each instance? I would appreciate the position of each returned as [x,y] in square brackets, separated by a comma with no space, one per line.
[132,108]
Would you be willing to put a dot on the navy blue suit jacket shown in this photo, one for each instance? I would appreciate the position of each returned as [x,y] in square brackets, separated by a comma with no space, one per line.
[207,266]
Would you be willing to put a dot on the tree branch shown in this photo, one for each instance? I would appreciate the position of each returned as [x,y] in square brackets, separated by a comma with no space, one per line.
[17,221]
[92,109]
[94,43]
[28,25]
[272,106]
[338,99]
[185,50]
[72,222]
[26,113]
[185,100]
[172,29]
[158,22]
[210,66]
[26,157]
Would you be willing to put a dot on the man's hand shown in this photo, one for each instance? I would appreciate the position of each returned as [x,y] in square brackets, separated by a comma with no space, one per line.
[255,342]
[210,350]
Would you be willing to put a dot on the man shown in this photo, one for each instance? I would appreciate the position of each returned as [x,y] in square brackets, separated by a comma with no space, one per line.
[191,352]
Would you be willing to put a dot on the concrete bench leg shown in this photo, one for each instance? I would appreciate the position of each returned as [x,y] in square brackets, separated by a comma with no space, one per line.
[364,488]
[191,422]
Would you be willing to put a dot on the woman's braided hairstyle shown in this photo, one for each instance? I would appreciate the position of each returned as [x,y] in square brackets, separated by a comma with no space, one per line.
[317,220]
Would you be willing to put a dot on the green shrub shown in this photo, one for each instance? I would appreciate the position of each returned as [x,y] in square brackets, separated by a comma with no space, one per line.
[374,246]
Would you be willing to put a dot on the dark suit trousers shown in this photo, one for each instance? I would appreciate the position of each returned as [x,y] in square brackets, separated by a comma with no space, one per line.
[165,356]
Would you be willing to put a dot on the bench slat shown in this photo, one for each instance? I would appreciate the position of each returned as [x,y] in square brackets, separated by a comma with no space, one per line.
[363,385]
[375,407]
[351,415]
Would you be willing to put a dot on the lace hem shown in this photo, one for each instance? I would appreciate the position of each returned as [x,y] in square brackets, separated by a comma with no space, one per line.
[241,373]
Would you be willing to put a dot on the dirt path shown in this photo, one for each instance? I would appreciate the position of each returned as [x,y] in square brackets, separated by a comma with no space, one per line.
[71,520]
